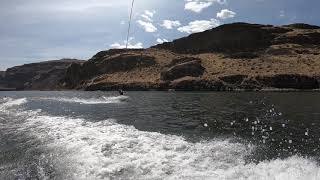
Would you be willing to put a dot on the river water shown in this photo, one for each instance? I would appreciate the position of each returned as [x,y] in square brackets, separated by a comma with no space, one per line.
[159,135]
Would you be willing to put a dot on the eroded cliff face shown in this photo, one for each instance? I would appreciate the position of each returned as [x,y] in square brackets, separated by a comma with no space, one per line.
[237,56]
[244,38]
[37,76]
[229,57]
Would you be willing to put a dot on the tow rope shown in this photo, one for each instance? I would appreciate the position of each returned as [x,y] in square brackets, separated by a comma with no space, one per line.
[130,18]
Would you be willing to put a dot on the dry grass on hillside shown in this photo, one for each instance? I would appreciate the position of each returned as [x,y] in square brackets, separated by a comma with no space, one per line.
[278,59]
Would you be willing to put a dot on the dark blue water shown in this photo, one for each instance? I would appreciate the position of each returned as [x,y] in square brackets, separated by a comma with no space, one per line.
[159,135]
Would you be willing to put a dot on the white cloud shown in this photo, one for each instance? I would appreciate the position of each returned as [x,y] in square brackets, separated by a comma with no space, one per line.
[147,26]
[117,45]
[159,40]
[199,26]
[198,5]
[225,14]
[149,13]
[168,24]
[146,17]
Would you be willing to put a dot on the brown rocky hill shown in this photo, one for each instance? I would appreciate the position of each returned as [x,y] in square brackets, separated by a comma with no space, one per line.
[37,76]
[229,57]
[243,38]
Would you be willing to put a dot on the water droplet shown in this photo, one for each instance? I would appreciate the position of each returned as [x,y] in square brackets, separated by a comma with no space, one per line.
[246,119]
[290,141]
[306,133]
[283,125]
[205,125]
[270,128]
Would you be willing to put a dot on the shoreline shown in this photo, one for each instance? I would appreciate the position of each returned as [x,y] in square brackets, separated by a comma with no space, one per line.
[174,90]
[8,89]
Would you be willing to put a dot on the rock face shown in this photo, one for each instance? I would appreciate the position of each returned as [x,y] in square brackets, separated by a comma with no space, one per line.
[292,81]
[125,62]
[39,76]
[191,68]
[229,38]
[311,38]
[302,26]
[189,83]
[106,62]
[233,79]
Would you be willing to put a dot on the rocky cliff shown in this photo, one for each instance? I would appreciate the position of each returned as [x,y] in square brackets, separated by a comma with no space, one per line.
[244,39]
[37,76]
[237,56]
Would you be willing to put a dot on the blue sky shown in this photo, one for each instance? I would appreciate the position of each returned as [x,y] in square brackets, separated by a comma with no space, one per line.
[39,30]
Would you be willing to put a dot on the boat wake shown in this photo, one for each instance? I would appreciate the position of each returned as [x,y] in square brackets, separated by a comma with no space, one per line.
[101,100]
[9,102]
[109,150]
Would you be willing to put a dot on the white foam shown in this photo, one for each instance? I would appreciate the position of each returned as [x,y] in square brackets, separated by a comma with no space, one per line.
[102,100]
[10,102]
[106,150]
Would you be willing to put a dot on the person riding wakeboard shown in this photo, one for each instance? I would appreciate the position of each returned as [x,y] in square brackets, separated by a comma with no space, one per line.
[121,92]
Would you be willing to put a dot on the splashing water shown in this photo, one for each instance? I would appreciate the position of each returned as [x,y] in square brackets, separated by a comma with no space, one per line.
[78,148]
[10,102]
[101,100]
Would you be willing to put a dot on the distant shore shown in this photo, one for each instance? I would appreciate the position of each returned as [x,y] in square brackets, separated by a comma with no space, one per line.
[174,90]
[7,89]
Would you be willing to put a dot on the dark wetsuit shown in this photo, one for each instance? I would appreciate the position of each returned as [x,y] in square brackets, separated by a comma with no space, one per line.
[121,92]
